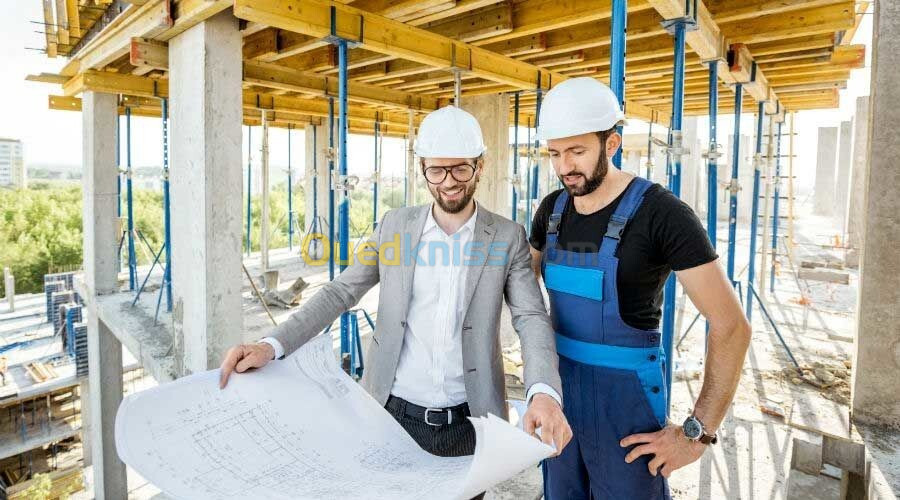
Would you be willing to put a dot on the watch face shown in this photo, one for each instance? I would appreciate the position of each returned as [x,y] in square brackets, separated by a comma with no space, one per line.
[692,428]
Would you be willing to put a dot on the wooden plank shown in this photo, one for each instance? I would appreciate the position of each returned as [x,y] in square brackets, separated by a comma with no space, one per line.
[724,11]
[74,17]
[147,21]
[273,76]
[477,25]
[795,23]
[461,7]
[49,28]
[147,55]
[394,38]
[62,23]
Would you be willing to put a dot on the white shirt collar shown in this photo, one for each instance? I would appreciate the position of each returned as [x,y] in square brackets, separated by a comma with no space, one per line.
[430,223]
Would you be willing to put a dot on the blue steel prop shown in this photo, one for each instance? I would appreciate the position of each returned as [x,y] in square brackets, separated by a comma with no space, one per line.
[776,208]
[515,182]
[678,28]
[349,328]
[249,177]
[166,286]
[774,326]
[331,187]
[132,257]
[618,28]
[733,187]
[754,210]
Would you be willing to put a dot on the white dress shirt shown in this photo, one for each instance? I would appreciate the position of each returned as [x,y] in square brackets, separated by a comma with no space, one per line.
[430,368]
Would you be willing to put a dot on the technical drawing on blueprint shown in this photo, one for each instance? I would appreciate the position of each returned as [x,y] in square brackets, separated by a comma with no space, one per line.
[300,428]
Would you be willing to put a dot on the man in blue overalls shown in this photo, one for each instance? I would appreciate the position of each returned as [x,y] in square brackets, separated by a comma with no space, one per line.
[605,246]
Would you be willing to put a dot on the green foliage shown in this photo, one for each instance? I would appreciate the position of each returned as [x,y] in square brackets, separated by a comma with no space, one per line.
[41,227]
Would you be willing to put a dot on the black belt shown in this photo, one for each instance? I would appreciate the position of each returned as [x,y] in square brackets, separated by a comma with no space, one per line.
[432,416]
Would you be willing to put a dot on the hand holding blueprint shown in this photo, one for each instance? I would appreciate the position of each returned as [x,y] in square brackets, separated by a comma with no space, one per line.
[300,428]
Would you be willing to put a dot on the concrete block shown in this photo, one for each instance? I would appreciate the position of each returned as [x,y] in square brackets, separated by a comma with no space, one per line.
[846,454]
[823,275]
[806,457]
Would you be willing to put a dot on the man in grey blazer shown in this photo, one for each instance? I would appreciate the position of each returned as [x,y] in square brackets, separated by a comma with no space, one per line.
[444,270]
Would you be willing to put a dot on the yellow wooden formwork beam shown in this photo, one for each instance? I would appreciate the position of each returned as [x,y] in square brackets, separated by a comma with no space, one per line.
[148,55]
[50,28]
[725,11]
[706,41]
[62,23]
[273,76]
[797,23]
[477,25]
[460,7]
[147,21]
[156,19]
[390,37]
[290,108]
[822,41]
[539,16]
[74,18]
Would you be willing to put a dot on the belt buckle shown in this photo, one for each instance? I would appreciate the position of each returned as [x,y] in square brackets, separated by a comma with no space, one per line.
[437,410]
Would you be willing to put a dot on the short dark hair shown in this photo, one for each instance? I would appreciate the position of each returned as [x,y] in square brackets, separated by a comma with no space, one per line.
[603,135]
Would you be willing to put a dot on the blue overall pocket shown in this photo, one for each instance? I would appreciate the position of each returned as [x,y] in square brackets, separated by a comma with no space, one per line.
[643,365]
[583,282]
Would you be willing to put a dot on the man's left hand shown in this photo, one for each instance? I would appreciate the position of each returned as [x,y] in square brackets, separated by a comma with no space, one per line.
[544,412]
[671,448]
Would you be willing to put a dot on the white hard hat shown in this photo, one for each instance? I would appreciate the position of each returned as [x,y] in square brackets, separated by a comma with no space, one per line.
[578,106]
[449,132]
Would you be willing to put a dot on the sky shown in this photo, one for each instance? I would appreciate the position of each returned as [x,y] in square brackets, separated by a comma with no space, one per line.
[54,137]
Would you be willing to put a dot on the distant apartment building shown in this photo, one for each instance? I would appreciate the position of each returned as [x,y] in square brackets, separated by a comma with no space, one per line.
[12,164]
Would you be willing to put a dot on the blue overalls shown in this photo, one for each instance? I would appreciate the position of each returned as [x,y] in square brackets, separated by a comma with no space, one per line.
[612,374]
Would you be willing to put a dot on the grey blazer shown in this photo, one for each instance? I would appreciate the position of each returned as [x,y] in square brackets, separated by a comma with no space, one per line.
[499,266]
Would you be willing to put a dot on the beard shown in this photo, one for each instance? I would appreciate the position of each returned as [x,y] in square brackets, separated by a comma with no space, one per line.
[454,206]
[590,183]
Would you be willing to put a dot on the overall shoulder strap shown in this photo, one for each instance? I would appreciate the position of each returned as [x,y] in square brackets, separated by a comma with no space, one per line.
[634,197]
[555,218]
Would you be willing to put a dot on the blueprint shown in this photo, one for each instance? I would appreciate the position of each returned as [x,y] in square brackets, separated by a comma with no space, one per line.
[300,428]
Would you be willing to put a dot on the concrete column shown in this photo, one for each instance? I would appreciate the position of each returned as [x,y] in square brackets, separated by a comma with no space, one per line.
[205,89]
[876,367]
[690,161]
[857,194]
[826,163]
[99,114]
[316,156]
[264,198]
[105,376]
[660,174]
[842,181]
[492,113]
[632,163]
[411,167]
[84,399]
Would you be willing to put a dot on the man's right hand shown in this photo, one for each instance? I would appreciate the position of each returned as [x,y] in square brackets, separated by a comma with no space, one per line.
[243,357]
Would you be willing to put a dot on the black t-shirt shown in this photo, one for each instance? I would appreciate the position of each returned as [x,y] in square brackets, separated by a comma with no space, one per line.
[664,235]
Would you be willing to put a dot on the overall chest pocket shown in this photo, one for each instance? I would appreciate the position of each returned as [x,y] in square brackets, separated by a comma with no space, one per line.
[583,282]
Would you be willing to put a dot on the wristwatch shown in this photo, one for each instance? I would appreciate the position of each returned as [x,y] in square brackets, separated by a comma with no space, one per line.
[693,429]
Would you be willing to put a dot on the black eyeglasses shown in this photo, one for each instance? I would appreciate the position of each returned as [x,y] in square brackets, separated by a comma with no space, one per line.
[461,173]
